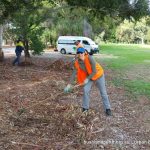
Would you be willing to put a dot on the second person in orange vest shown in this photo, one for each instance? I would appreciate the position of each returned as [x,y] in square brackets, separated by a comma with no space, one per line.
[78,44]
[87,71]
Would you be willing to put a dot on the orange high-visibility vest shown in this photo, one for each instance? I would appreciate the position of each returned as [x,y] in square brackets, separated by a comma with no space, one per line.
[82,75]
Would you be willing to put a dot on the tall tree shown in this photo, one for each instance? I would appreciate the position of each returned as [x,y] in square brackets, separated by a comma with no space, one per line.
[7,10]
[29,23]
[26,23]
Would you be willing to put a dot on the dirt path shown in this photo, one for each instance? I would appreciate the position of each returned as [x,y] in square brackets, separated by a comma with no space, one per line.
[58,122]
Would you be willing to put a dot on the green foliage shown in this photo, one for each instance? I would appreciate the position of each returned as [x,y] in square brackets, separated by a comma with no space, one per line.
[36,45]
[125,32]
[49,37]
[133,32]
[141,8]
[75,28]
[8,8]
[121,8]
[63,22]
[68,17]
[71,23]
[106,29]
[147,37]
[27,23]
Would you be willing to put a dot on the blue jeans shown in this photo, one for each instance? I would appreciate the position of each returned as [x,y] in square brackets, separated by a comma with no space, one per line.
[17,59]
[100,83]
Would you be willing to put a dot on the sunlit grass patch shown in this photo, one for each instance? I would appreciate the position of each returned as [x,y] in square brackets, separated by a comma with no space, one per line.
[132,64]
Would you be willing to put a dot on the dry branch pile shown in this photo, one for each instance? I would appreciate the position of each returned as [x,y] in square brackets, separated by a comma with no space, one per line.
[60,65]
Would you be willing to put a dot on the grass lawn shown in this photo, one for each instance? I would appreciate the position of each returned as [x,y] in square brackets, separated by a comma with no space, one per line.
[130,65]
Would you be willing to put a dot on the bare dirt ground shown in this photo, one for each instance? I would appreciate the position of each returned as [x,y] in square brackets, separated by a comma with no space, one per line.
[35,114]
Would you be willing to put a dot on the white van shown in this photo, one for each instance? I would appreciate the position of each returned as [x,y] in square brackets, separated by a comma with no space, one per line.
[66,44]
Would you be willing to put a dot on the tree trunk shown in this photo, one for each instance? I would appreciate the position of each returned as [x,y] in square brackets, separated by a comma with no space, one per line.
[142,40]
[1,42]
[87,29]
[26,51]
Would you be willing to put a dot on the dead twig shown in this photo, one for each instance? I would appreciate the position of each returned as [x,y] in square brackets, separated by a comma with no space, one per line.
[23,110]
[27,144]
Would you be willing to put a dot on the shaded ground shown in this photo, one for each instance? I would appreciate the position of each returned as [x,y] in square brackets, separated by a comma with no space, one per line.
[50,119]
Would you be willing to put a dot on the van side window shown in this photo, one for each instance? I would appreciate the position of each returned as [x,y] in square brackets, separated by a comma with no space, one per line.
[69,42]
[86,42]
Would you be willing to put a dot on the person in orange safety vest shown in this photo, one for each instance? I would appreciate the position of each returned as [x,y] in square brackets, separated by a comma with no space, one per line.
[78,44]
[87,71]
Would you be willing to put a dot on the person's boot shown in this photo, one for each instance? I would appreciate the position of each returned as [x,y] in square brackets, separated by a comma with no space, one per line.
[108,112]
[84,110]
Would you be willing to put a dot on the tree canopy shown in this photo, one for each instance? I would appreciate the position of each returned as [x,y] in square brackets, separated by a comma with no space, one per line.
[9,7]
[41,22]
[120,8]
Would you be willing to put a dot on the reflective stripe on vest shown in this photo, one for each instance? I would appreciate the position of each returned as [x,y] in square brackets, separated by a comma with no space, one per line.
[82,75]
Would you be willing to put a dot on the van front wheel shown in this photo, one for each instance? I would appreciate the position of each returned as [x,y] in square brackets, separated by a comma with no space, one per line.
[63,51]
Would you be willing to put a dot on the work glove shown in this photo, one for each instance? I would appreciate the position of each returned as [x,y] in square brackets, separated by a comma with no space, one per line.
[86,81]
[68,88]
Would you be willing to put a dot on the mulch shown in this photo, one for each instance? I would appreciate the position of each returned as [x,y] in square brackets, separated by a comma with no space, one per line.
[35,116]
